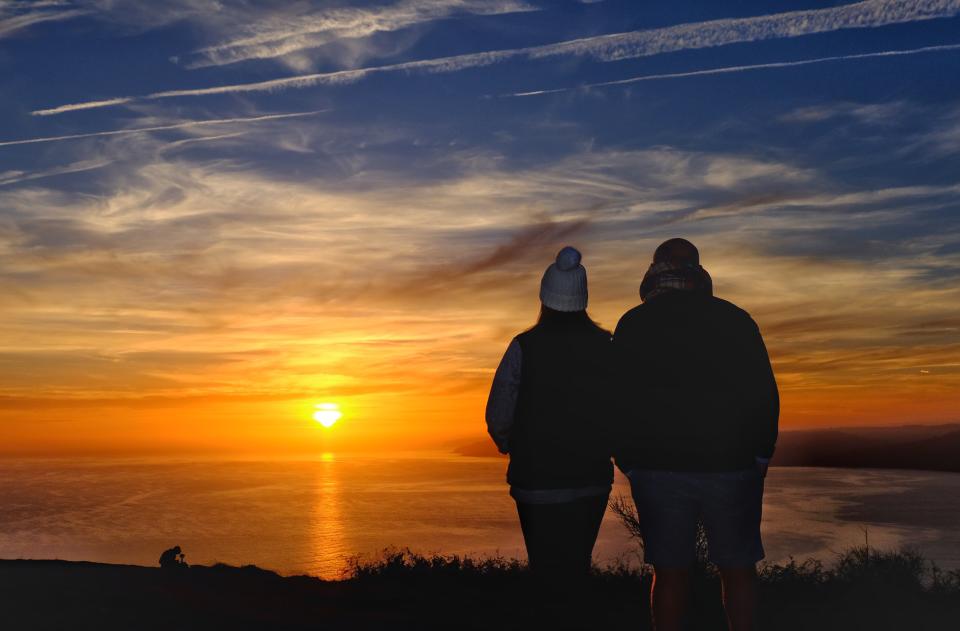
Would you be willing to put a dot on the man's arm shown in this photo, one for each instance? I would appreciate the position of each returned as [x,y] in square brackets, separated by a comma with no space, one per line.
[764,400]
[634,398]
[622,377]
[502,402]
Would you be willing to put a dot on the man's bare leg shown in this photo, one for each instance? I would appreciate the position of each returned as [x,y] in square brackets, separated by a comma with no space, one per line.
[740,597]
[668,598]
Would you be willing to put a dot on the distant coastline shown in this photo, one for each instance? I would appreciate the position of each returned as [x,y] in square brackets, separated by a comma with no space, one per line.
[919,447]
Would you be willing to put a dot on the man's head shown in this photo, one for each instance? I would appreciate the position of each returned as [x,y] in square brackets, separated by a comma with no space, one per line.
[679,252]
[675,267]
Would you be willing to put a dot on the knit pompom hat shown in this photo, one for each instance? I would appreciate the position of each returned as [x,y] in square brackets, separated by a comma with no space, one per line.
[564,284]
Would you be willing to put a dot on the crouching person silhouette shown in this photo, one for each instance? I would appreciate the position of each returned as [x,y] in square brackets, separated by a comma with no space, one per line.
[698,424]
[173,559]
[546,410]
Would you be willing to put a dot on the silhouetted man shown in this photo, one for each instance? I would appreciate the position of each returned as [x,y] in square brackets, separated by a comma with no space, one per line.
[697,431]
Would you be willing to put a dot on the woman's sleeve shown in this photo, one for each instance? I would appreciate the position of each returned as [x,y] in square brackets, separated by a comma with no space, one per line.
[502,402]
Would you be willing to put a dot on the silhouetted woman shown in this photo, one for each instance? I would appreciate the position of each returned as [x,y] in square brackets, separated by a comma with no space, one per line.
[547,410]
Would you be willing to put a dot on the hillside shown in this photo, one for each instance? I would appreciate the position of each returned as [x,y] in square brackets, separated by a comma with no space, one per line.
[930,448]
[402,591]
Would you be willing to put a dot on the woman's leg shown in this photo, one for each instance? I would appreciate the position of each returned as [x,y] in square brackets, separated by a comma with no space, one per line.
[539,525]
[589,516]
[560,537]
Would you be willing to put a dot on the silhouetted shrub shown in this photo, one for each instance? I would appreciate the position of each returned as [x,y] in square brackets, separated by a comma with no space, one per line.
[809,573]
[408,564]
[901,569]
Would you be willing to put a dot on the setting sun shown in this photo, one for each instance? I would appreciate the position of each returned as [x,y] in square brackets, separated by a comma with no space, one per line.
[327,414]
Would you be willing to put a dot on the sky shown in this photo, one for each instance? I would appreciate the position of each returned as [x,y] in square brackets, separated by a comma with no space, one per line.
[216,215]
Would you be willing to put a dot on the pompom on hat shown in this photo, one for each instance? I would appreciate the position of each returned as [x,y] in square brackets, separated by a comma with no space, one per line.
[564,284]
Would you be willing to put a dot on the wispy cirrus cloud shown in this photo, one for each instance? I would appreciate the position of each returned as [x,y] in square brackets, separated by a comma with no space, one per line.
[235,252]
[294,31]
[864,112]
[16,15]
[615,47]
[941,141]
[179,125]
[408,283]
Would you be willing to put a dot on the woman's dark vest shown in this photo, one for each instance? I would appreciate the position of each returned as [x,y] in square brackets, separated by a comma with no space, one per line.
[560,438]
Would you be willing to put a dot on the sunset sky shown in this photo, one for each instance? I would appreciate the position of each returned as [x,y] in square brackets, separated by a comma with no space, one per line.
[215,216]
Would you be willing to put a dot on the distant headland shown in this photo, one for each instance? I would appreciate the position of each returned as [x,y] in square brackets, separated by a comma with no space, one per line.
[920,447]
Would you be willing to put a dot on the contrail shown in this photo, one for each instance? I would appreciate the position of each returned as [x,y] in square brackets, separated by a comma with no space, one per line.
[88,105]
[120,132]
[77,167]
[176,144]
[731,69]
[714,33]
[606,48]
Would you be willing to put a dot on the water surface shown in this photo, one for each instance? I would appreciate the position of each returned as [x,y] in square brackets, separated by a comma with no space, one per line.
[312,516]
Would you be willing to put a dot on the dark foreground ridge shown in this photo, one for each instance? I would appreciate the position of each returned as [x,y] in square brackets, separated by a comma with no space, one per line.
[896,590]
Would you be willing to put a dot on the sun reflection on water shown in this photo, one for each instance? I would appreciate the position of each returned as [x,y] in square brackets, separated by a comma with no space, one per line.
[329,548]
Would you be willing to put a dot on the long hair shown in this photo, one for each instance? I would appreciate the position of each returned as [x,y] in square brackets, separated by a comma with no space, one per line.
[552,316]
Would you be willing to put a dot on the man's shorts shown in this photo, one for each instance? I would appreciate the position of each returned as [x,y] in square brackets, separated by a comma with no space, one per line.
[670,503]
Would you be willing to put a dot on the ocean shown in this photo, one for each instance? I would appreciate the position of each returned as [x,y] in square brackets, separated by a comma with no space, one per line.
[313,516]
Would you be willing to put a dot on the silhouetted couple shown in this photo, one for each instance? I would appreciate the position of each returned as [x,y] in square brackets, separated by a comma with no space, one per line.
[682,397]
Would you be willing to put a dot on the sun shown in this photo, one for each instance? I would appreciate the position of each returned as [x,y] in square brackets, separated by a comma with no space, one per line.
[327,414]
